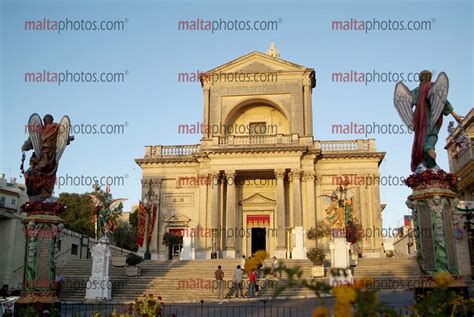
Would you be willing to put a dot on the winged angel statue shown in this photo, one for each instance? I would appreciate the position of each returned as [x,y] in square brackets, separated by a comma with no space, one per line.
[48,140]
[430,101]
[339,213]
[106,214]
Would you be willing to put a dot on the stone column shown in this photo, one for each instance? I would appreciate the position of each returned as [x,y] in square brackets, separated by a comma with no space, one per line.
[310,211]
[215,210]
[280,214]
[230,228]
[200,237]
[206,90]
[308,106]
[297,217]
[157,234]
[298,251]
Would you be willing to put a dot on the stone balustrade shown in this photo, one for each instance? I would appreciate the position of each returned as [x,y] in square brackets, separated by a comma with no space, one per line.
[155,151]
[462,158]
[256,139]
[346,145]
[163,151]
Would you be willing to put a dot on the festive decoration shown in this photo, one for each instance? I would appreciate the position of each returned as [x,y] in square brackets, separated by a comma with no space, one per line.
[431,179]
[339,213]
[106,213]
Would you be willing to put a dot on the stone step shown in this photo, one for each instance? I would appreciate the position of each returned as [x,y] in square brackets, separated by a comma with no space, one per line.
[164,278]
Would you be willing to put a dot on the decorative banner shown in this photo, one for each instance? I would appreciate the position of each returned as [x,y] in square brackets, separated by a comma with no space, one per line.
[141,224]
[258,221]
[407,221]
[152,222]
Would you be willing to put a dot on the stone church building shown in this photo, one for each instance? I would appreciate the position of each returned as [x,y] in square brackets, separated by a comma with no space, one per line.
[257,179]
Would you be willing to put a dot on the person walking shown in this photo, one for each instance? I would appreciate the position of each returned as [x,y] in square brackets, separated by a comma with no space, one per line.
[238,276]
[219,275]
[275,267]
[242,262]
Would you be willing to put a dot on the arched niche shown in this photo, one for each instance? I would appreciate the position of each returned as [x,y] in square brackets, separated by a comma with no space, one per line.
[258,116]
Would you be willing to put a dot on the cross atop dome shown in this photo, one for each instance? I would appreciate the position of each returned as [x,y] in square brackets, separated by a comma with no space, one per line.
[273,51]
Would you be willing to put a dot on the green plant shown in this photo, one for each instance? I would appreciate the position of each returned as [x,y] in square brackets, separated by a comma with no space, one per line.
[316,256]
[170,239]
[28,311]
[147,305]
[321,230]
[133,259]
[442,301]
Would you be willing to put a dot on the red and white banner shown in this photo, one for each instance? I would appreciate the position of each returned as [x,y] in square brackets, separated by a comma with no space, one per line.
[142,224]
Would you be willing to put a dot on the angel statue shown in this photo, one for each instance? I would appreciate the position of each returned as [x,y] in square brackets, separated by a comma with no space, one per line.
[339,212]
[48,140]
[106,215]
[430,101]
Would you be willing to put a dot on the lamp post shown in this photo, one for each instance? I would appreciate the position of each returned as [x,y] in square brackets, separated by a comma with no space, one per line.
[148,202]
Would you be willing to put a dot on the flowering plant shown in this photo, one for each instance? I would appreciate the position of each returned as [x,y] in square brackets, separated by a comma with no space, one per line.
[145,306]
[419,181]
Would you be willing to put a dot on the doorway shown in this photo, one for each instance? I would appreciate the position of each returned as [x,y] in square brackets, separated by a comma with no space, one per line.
[258,239]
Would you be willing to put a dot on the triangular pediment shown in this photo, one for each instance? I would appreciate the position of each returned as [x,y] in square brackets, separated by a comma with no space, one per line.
[177,218]
[258,62]
[257,200]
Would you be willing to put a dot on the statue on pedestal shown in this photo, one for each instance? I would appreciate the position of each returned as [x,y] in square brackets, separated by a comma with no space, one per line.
[433,200]
[339,213]
[106,214]
[43,223]
[48,141]
[431,103]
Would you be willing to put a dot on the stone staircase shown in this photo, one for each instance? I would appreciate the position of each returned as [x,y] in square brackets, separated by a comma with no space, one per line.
[396,273]
[175,281]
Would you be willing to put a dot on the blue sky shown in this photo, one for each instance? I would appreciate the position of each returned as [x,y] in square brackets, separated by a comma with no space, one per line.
[151,51]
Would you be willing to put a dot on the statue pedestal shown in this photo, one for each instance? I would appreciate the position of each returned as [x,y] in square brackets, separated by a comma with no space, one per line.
[340,262]
[42,228]
[432,203]
[298,251]
[99,287]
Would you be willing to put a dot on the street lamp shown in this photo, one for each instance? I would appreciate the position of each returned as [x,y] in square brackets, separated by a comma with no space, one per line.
[148,202]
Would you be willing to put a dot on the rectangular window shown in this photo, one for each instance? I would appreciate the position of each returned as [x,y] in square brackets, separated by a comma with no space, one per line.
[13,201]
[2,201]
[74,248]
[258,128]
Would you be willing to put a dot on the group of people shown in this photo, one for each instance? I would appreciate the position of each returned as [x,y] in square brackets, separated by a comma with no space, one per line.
[254,275]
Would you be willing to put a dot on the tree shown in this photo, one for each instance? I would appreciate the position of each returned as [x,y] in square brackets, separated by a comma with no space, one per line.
[125,236]
[79,212]
[133,219]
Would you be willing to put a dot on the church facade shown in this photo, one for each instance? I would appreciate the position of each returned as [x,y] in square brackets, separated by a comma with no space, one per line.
[258,179]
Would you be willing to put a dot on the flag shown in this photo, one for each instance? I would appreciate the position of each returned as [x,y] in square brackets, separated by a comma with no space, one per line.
[152,222]
[141,224]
